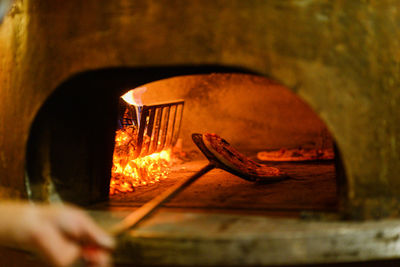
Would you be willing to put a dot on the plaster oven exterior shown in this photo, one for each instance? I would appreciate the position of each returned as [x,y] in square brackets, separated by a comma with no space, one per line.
[341,57]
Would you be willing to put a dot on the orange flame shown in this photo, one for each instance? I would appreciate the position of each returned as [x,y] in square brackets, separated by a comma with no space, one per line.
[134,96]
[129,172]
[128,97]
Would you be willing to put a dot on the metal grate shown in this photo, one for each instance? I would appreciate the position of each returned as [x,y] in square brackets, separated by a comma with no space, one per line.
[157,126]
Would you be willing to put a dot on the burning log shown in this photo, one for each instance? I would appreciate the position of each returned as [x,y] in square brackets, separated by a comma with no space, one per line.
[128,171]
[143,142]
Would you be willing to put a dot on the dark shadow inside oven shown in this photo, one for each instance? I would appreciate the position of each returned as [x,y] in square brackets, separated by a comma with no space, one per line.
[71,143]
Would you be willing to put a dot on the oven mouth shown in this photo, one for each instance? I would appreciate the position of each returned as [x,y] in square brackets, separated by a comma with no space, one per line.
[70,147]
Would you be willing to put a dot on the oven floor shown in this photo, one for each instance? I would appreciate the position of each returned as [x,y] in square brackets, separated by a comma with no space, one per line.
[313,188]
[196,229]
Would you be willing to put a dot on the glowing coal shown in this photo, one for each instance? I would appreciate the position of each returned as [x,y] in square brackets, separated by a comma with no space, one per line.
[129,172]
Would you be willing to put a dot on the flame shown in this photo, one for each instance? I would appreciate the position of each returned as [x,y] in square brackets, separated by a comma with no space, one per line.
[129,172]
[134,96]
[128,98]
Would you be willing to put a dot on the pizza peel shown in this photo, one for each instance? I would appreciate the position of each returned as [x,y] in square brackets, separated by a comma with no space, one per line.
[216,160]
[223,160]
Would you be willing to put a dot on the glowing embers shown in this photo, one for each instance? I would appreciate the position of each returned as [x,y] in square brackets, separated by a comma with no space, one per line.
[145,134]
[129,172]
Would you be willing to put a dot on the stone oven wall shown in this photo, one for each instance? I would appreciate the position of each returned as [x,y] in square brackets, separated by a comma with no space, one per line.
[341,57]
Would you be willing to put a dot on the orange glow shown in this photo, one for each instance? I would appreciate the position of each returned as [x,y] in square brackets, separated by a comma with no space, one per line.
[128,98]
[134,96]
[129,172]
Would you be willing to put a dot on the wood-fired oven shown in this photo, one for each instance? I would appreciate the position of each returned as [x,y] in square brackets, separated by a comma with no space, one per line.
[266,75]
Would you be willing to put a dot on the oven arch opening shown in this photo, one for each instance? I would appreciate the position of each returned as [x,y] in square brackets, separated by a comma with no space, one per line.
[84,108]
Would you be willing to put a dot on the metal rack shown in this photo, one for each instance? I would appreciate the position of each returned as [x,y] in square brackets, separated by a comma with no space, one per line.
[157,125]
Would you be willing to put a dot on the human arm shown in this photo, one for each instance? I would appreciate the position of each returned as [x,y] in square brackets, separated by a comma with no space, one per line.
[58,234]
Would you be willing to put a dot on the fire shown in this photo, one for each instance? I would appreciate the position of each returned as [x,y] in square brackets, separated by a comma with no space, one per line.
[134,96]
[129,98]
[129,172]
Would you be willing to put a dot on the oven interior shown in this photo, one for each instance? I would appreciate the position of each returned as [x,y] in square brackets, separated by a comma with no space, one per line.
[72,141]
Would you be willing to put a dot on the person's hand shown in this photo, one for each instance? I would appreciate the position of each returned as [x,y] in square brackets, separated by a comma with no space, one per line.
[61,235]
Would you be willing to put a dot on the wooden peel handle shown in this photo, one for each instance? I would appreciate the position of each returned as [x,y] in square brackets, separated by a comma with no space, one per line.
[147,209]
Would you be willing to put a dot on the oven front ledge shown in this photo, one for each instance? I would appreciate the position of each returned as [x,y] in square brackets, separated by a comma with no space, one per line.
[185,239]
